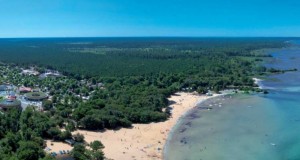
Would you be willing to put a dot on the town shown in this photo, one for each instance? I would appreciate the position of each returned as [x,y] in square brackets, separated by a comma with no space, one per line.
[41,90]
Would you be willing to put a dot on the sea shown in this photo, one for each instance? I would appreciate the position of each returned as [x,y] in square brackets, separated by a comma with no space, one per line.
[245,126]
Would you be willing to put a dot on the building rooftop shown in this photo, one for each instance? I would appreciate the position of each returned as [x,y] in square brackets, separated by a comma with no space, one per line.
[7,103]
[36,96]
[3,88]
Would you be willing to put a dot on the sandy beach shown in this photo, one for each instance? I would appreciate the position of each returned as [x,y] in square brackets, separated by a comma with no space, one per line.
[142,141]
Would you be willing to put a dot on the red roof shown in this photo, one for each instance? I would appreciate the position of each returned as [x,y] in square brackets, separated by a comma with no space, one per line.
[25,89]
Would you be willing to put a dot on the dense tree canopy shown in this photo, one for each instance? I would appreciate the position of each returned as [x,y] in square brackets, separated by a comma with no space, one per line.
[110,83]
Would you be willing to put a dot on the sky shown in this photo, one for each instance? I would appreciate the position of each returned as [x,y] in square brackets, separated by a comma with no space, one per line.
[137,18]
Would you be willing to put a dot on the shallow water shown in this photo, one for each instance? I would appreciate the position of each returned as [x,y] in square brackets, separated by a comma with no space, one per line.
[245,127]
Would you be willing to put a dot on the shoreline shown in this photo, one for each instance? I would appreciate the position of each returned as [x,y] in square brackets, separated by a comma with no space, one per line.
[145,141]
[223,93]
[142,141]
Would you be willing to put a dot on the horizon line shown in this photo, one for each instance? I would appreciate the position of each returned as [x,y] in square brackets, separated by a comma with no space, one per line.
[44,37]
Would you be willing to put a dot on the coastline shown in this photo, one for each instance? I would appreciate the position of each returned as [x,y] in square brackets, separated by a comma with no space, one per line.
[145,141]
[223,93]
[142,141]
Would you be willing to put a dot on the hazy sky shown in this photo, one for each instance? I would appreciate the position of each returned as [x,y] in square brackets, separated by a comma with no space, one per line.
[84,18]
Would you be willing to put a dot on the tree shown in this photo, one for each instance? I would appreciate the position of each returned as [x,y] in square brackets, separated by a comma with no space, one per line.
[96,145]
[91,122]
[28,150]
[97,155]
[70,126]
[48,157]
[79,152]
[201,90]
[78,137]
[47,105]
[54,132]
[10,142]
[65,135]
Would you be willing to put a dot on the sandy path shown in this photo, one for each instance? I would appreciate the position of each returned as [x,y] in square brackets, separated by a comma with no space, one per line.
[143,141]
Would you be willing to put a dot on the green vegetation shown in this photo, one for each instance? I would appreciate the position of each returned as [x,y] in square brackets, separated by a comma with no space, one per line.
[18,140]
[273,70]
[129,56]
[111,83]
[81,153]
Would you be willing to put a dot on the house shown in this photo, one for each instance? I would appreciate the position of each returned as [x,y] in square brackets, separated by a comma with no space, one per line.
[30,72]
[12,96]
[25,89]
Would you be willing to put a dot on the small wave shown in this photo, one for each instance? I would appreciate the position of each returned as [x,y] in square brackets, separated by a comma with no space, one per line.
[259,82]
[267,87]
[291,89]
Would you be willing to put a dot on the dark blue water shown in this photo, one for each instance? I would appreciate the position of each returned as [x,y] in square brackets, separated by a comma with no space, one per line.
[246,127]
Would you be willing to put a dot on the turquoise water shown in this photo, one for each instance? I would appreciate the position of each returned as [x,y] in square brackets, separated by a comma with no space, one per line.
[245,127]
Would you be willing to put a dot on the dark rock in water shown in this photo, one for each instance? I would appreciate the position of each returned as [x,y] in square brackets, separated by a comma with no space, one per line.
[193,116]
[189,124]
[183,140]
[204,108]
[182,130]
[266,92]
